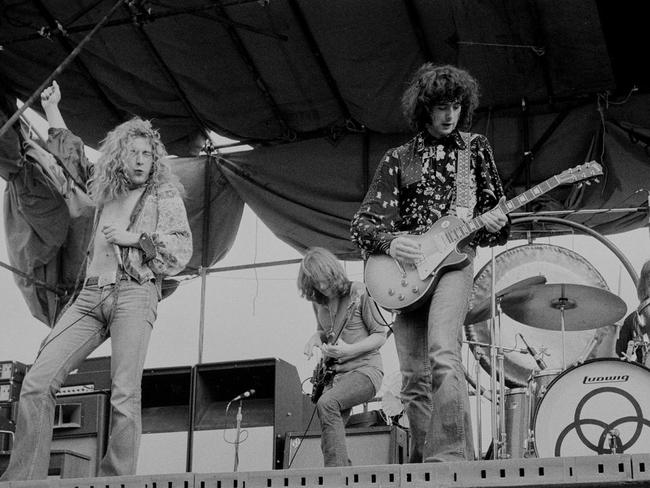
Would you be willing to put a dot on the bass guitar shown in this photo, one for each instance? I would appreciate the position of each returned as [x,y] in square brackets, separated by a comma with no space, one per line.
[403,287]
[323,373]
[321,377]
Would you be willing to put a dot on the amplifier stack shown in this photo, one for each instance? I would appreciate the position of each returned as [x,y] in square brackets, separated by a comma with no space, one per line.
[11,379]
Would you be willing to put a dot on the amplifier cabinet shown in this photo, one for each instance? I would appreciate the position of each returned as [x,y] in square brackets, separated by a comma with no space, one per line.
[8,412]
[12,371]
[94,374]
[10,390]
[366,446]
[7,425]
[81,424]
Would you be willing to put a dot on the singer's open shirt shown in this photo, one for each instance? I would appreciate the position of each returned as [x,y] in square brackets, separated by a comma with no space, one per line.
[160,213]
[415,185]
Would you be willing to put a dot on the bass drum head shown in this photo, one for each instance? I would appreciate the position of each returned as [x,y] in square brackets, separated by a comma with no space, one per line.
[558,265]
[586,404]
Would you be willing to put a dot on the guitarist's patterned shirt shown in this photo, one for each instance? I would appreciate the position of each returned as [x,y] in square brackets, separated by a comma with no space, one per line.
[415,185]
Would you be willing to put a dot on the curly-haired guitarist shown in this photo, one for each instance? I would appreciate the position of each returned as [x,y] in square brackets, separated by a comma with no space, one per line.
[438,173]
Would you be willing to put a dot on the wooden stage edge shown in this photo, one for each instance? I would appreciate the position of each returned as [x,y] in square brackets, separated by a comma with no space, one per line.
[631,470]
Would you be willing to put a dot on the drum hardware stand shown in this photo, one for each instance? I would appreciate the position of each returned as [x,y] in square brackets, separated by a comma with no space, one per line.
[494,394]
[562,304]
[530,443]
[586,351]
[497,373]
[478,354]
[502,387]
[485,344]
[615,444]
[530,438]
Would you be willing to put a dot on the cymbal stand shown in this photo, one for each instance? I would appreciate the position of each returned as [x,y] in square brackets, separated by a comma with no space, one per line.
[478,354]
[496,373]
[563,304]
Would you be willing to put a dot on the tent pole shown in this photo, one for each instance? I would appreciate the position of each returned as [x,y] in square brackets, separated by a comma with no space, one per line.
[205,244]
[75,52]
[203,272]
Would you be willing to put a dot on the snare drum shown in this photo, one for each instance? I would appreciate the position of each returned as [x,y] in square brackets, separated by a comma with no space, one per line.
[599,407]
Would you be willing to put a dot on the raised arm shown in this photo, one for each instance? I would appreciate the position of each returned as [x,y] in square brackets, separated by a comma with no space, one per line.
[50,98]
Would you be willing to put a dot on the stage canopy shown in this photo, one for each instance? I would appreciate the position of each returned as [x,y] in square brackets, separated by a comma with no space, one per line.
[314,87]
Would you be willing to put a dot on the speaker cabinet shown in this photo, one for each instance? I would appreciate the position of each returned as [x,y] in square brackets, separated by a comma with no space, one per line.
[186,425]
[81,425]
[366,446]
[275,407]
[165,420]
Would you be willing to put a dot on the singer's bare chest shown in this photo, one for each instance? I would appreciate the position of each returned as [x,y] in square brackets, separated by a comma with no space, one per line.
[118,212]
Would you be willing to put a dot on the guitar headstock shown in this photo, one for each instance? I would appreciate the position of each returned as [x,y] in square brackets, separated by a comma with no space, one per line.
[581,172]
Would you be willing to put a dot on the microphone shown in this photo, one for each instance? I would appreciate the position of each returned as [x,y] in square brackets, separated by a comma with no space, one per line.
[246,394]
[648,192]
[118,255]
[536,356]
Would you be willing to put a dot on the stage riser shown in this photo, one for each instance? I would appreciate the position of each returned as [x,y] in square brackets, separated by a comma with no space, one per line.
[585,472]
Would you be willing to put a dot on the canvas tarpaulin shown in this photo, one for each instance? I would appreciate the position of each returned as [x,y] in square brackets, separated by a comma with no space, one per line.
[315,88]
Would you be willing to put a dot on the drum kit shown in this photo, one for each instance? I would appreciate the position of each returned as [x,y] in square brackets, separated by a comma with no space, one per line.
[588,407]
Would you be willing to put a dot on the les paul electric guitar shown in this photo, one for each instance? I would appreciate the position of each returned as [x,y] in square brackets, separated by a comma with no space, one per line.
[403,287]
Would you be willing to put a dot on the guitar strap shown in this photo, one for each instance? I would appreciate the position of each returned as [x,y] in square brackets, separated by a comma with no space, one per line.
[354,298]
[464,201]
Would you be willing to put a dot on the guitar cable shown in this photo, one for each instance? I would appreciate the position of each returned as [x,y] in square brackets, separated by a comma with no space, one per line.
[385,323]
[302,437]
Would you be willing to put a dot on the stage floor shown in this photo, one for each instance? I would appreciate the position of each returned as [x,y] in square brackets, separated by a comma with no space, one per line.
[589,471]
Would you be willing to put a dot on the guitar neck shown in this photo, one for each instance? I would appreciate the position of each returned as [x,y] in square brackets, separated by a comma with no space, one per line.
[462,231]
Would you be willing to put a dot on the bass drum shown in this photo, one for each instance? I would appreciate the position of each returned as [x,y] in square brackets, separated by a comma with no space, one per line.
[599,407]
[558,265]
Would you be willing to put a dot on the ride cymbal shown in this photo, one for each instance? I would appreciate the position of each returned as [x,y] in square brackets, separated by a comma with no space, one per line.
[584,307]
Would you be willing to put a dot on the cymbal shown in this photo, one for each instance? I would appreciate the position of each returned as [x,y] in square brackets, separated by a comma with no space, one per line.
[481,311]
[585,307]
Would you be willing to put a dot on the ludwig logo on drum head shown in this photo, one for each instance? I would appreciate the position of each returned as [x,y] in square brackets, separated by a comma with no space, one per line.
[621,378]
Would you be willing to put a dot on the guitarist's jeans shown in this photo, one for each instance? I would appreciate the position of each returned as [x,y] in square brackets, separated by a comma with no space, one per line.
[434,389]
[334,406]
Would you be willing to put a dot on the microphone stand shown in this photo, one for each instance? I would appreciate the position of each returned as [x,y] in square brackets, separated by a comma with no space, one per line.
[237,435]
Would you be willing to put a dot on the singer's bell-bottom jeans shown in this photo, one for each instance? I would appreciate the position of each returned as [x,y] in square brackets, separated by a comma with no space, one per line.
[95,315]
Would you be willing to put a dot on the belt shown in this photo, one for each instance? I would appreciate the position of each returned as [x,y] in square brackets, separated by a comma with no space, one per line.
[91,281]
[94,280]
